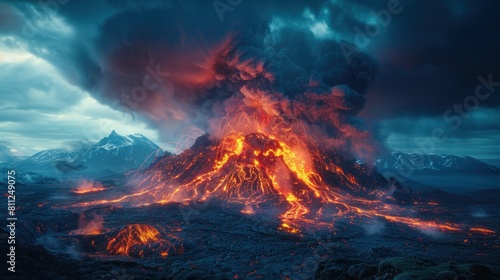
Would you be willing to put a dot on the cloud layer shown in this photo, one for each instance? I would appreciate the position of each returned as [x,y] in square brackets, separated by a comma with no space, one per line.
[177,64]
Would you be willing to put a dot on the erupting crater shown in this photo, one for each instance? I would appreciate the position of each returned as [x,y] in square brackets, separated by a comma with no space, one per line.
[278,169]
[139,240]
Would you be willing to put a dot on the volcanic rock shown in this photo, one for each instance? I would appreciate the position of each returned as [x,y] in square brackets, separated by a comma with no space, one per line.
[139,240]
[362,271]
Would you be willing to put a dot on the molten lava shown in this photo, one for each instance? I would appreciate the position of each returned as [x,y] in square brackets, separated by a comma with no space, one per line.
[273,164]
[132,235]
[88,187]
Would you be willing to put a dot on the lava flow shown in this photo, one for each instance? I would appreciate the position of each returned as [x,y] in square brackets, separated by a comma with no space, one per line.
[275,165]
[88,187]
[133,236]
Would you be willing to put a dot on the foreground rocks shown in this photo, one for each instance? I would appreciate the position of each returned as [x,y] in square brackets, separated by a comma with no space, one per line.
[221,242]
[403,268]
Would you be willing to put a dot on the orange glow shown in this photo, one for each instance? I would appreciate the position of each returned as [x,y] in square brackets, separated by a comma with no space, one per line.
[132,235]
[412,222]
[482,230]
[89,226]
[88,187]
[286,227]
[269,161]
[248,210]
[86,232]
[290,197]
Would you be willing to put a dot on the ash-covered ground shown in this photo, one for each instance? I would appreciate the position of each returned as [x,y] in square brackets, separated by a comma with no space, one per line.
[215,240]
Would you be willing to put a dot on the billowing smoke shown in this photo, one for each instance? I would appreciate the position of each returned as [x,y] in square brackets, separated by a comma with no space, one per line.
[92,224]
[286,75]
[269,77]
[177,66]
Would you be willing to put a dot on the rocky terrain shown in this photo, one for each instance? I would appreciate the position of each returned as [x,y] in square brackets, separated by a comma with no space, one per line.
[213,240]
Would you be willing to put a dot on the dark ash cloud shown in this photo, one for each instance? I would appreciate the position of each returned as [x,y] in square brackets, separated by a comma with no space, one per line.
[285,54]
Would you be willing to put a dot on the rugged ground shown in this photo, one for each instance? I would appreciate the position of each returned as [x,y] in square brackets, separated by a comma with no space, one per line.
[216,241]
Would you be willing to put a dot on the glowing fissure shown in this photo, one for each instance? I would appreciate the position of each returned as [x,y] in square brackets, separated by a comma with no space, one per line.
[88,187]
[133,236]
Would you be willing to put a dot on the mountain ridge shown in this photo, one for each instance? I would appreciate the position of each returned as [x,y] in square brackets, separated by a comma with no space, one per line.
[114,152]
[400,162]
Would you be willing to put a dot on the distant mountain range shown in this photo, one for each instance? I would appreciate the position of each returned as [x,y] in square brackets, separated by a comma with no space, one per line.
[116,154]
[112,154]
[419,164]
[120,153]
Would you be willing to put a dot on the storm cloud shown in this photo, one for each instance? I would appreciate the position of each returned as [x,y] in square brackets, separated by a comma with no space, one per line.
[175,64]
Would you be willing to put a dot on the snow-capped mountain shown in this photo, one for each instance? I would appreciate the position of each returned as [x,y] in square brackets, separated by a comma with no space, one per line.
[404,163]
[119,153]
[46,159]
[114,153]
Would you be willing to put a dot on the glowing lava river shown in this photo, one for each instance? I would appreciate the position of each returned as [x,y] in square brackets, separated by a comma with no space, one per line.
[279,169]
[257,202]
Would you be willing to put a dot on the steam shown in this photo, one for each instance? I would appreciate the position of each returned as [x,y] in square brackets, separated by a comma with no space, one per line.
[90,223]
[432,232]
[88,186]
[374,226]
[479,214]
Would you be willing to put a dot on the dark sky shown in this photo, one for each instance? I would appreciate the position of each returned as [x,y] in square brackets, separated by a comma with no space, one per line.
[417,63]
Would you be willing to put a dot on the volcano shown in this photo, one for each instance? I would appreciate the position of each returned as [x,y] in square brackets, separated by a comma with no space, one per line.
[139,240]
[278,170]
[255,195]
[256,169]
